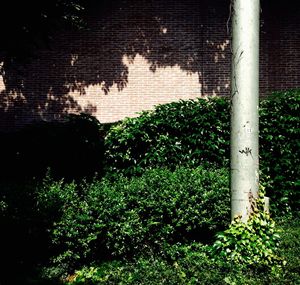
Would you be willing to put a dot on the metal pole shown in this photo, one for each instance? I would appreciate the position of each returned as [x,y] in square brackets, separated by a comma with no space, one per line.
[244,109]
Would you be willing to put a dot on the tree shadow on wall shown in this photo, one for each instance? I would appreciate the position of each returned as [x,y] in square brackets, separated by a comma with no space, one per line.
[165,33]
[189,34]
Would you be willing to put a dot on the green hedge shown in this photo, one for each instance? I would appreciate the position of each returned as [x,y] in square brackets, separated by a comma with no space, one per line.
[72,148]
[280,149]
[127,217]
[196,132]
[180,133]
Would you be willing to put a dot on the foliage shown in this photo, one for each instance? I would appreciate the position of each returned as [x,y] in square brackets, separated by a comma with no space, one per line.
[289,248]
[24,242]
[253,243]
[72,148]
[153,270]
[193,263]
[34,23]
[196,132]
[187,264]
[151,220]
[180,133]
[279,150]
[105,219]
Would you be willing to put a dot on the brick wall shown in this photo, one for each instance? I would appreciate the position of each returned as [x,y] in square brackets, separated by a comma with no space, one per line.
[137,54]
[280,46]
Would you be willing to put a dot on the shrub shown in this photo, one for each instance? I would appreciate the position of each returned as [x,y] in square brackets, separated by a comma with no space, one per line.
[193,265]
[196,132]
[154,270]
[189,132]
[72,148]
[279,149]
[126,217]
[186,264]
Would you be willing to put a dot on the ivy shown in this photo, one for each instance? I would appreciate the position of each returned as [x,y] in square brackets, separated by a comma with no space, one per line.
[253,243]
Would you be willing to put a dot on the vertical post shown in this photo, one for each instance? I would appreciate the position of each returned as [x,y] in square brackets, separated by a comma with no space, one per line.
[244,108]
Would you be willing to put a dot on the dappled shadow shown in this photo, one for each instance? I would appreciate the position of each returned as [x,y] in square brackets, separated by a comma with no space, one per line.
[189,35]
[279,53]
[165,33]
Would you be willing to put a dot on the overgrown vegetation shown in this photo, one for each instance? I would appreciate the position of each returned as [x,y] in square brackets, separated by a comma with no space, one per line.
[193,264]
[103,220]
[246,253]
[196,132]
[159,210]
[254,244]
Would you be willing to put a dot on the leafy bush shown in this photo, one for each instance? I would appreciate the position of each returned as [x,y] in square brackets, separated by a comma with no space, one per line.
[194,264]
[195,268]
[279,149]
[196,132]
[180,133]
[126,217]
[72,148]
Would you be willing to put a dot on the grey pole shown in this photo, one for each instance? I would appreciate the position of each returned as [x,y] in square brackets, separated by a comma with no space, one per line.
[244,108]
